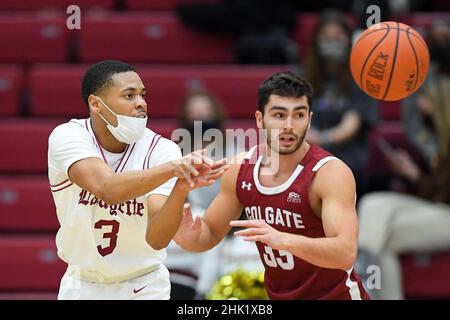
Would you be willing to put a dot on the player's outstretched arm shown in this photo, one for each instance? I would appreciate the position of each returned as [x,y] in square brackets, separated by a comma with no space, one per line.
[97,177]
[205,232]
[335,185]
[165,213]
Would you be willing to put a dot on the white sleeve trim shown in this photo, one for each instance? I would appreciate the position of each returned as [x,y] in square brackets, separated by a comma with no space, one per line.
[322,162]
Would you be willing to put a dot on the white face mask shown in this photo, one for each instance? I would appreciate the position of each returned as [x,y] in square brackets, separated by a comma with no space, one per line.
[128,130]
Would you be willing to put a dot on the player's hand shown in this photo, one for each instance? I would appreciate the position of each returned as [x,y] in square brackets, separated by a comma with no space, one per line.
[188,166]
[189,229]
[207,175]
[259,230]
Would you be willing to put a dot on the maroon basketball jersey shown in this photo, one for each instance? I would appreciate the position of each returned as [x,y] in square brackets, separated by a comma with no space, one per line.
[287,209]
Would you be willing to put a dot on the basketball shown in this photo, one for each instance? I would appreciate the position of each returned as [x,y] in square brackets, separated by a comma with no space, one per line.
[389,61]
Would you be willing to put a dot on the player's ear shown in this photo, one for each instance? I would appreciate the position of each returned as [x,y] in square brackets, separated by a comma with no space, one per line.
[310,119]
[259,119]
[94,104]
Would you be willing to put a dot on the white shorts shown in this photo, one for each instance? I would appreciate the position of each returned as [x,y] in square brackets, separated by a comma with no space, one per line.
[151,286]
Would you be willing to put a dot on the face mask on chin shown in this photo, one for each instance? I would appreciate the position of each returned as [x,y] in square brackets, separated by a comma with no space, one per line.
[128,130]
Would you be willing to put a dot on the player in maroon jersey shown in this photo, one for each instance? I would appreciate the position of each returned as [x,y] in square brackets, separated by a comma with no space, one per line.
[301,213]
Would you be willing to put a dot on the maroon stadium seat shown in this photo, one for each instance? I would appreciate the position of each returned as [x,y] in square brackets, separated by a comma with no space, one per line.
[26,142]
[160,4]
[391,110]
[32,37]
[54,4]
[11,87]
[26,204]
[149,38]
[55,89]
[29,262]
[32,295]
[426,276]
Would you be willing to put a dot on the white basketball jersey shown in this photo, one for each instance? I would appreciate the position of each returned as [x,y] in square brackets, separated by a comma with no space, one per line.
[105,242]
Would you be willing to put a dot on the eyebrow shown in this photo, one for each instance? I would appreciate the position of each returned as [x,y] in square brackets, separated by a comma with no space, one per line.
[133,89]
[296,108]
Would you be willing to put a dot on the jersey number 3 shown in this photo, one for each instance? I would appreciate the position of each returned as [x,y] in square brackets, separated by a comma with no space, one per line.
[112,235]
[285,260]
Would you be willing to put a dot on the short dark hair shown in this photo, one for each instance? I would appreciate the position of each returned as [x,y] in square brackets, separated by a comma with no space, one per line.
[99,76]
[285,84]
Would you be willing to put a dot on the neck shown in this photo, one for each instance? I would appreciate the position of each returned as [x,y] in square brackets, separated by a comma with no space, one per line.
[286,162]
[104,136]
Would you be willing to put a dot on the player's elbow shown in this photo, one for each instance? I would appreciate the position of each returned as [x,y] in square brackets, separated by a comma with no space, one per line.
[156,244]
[111,197]
[349,257]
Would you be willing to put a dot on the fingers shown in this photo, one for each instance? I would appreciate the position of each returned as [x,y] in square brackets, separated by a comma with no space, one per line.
[219,163]
[197,222]
[187,209]
[187,177]
[249,232]
[248,223]
[253,239]
[201,157]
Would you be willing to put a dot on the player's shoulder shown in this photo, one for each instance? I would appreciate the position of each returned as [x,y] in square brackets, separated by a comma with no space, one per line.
[334,175]
[74,127]
[162,144]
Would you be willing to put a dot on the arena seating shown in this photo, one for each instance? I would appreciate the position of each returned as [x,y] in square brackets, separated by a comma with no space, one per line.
[41,5]
[29,262]
[36,37]
[426,276]
[26,142]
[150,38]
[11,89]
[27,204]
[160,4]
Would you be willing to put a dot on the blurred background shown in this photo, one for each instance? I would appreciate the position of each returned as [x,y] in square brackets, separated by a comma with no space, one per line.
[221,50]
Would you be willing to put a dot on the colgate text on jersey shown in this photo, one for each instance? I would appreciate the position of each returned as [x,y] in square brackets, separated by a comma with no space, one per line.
[275,216]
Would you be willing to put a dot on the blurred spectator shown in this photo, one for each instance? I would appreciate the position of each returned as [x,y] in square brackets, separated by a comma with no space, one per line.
[343,114]
[393,223]
[261,28]
[184,265]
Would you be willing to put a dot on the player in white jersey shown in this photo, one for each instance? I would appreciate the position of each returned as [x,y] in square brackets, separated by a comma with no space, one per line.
[115,187]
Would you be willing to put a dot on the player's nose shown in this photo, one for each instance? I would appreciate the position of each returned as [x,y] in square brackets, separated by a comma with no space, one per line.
[288,123]
[141,104]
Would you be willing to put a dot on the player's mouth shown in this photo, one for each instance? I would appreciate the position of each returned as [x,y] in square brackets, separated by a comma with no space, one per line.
[141,115]
[287,140]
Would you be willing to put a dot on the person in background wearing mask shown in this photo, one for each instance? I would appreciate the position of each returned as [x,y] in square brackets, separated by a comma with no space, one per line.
[199,112]
[119,190]
[343,114]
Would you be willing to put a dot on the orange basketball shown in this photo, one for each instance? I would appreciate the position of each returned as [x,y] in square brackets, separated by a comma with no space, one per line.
[389,61]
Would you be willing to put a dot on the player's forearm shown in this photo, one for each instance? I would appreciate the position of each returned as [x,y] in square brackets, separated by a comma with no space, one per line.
[121,187]
[163,225]
[330,252]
